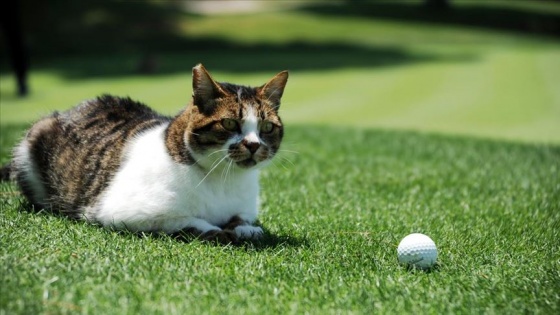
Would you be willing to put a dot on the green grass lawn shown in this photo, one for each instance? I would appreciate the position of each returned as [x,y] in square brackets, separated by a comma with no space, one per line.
[334,214]
[400,126]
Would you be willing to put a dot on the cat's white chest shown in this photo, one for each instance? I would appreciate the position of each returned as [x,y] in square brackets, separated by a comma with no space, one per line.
[151,192]
[217,200]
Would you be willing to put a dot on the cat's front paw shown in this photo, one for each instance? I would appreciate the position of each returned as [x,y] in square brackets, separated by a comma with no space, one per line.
[248,232]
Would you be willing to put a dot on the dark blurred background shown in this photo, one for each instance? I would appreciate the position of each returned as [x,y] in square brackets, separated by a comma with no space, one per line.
[55,28]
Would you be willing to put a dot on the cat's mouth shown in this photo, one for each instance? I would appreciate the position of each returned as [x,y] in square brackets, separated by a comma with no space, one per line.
[247,163]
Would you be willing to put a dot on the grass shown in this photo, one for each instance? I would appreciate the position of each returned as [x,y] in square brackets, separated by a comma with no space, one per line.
[334,212]
[334,218]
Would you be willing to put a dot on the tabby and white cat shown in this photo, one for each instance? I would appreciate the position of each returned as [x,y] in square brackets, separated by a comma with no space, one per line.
[118,163]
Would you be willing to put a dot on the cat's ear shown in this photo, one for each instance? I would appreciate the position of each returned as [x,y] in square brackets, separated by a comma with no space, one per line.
[273,90]
[205,89]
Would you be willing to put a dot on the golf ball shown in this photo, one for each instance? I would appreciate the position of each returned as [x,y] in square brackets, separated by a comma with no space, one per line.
[417,250]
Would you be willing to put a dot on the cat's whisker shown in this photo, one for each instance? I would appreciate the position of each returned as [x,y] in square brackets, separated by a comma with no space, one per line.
[217,151]
[273,163]
[281,164]
[216,163]
[283,161]
[206,157]
[287,151]
[225,170]
[282,158]
[229,167]
[224,173]
[212,169]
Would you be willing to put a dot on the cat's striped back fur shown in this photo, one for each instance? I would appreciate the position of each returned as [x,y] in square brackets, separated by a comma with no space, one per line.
[67,159]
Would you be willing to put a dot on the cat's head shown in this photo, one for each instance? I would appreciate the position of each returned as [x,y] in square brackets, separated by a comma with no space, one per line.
[232,124]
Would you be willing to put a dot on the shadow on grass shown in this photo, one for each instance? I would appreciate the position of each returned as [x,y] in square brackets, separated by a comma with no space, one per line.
[433,269]
[271,240]
[525,18]
[114,38]
[232,57]
[268,241]
[122,38]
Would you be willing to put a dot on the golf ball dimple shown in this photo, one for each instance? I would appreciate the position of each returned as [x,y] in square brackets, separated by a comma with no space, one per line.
[417,250]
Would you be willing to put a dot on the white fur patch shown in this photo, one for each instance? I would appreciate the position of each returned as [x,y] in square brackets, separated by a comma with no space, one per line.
[151,192]
[250,126]
[201,225]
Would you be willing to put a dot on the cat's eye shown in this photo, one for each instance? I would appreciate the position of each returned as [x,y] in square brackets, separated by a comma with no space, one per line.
[267,127]
[230,124]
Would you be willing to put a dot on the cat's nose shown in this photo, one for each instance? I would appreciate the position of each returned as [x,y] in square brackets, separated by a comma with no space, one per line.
[252,146]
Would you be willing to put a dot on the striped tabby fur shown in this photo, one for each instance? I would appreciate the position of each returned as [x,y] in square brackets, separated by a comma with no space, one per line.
[118,163]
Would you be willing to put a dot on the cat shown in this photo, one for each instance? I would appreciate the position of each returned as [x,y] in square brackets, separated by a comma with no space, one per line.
[116,162]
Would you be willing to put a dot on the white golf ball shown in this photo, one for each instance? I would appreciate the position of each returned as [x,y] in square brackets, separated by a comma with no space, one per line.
[417,250]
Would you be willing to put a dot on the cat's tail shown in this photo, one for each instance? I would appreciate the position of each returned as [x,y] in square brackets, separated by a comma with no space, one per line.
[6,172]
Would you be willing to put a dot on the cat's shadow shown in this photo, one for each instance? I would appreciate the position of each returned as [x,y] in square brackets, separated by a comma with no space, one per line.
[269,240]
